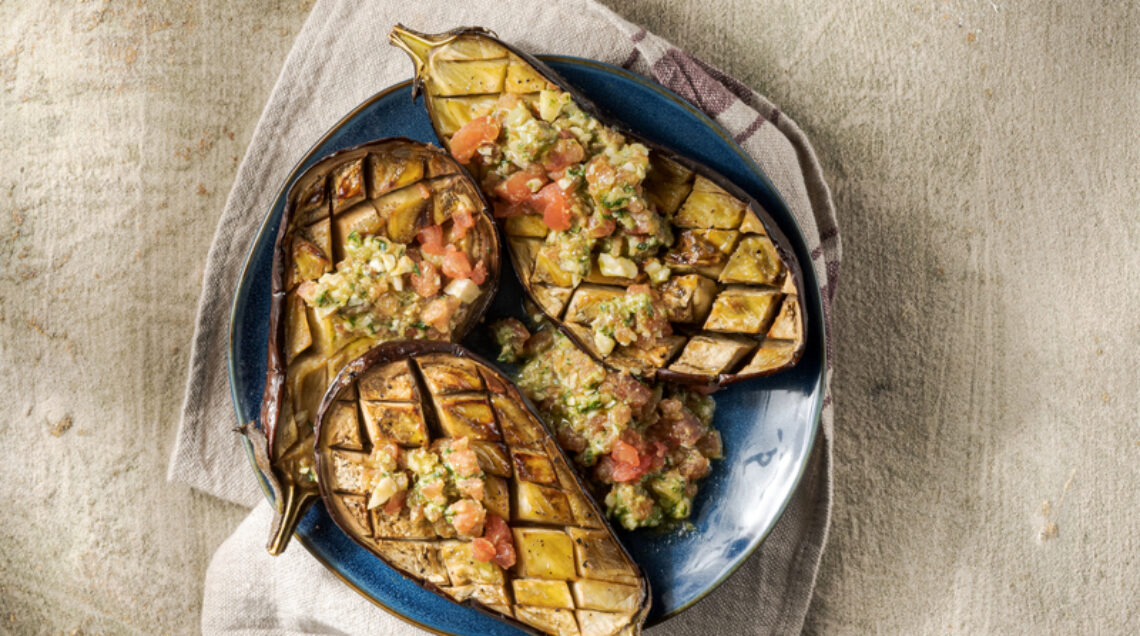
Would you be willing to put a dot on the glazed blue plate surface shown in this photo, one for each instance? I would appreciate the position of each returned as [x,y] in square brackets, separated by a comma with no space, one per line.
[769,424]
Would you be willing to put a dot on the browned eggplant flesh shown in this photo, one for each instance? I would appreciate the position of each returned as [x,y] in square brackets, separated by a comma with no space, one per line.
[390,240]
[649,261]
[431,460]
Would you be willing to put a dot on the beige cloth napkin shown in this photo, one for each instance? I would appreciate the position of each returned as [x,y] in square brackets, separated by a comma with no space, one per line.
[340,58]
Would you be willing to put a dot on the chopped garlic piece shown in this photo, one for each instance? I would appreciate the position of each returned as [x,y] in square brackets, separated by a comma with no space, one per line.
[604,343]
[658,273]
[464,289]
[618,267]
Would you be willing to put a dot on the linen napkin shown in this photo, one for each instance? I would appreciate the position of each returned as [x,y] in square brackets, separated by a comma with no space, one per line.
[341,57]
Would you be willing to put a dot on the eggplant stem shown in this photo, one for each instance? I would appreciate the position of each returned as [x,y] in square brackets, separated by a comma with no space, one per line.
[294,502]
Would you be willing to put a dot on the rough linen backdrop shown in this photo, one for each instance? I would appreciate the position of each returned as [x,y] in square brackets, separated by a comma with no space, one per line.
[985,161]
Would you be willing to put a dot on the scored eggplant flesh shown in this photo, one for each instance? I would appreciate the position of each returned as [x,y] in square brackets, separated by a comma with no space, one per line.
[564,571]
[350,270]
[720,259]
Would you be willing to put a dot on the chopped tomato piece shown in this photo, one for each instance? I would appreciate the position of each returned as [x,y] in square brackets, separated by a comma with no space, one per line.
[461,221]
[396,503]
[625,453]
[467,516]
[431,239]
[471,487]
[433,491]
[600,227]
[479,274]
[455,263]
[482,549]
[307,290]
[439,311]
[462,459]
[473,134]
[426,281]
[563,153]
[551,201]
[515,188]
[425,191]
[627,472]
[499,533]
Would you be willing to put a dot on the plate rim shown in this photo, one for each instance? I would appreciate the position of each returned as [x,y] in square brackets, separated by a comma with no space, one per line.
[239,298]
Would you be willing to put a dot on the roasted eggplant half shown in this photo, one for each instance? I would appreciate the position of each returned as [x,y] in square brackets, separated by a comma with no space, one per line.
[648,260]
[390,240]
[432,460]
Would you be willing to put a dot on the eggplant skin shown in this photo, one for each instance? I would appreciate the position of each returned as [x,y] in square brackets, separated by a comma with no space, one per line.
[463,72]
[343,197]
[571,575]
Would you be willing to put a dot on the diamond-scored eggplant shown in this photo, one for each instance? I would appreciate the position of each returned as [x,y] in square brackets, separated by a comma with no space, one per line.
[651,262]
[432,460]
[389,240]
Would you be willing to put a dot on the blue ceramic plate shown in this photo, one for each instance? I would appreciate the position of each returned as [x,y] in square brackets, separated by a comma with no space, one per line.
[768,424]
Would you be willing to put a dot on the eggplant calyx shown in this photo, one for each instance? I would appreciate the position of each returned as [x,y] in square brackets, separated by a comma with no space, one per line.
[419,45]
[291,506]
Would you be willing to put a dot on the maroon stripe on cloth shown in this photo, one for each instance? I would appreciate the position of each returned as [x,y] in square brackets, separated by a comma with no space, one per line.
[639,36]
[634,55]
[734,85]
[825,239]
[774,116]
[677,71]
[750,130]
[832,276]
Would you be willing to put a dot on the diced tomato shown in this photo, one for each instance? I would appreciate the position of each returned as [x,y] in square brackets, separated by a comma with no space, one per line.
[432,491]
[552,202]
[625,453]
[425,191]
[467,517]
[471,487]
[439,311]
[482,549]
[456,264]
[627,472]
[396,503]
[504,210]
[473,134]
[425,283]
[563,153]
[600,227]
[479,274]
[514,189]
[633,456]
[307,290]
[462,459]
[499,534]
[431,239]
[461,221]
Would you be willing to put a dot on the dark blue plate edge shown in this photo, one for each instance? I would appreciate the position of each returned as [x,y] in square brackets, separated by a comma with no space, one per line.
[809,270]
